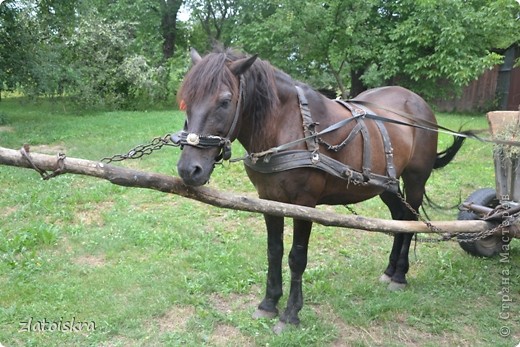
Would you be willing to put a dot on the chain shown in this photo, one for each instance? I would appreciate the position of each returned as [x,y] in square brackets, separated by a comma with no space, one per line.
[60,164]
[351,210]
[473,237]
[461,237]
[158,142]
[142,150]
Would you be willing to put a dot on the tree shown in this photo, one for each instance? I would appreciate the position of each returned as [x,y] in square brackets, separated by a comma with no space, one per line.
[346,45]
[154,22]
[29,58]
[107,72]
[353,45]
[100,52]
[169,11]
[322,42]
[445,43]
[13,34]
[214,18]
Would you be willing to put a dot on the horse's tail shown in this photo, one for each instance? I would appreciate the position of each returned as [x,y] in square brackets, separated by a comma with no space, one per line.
[446,156]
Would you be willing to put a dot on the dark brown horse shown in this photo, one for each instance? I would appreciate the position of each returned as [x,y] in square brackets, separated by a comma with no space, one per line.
[231,96]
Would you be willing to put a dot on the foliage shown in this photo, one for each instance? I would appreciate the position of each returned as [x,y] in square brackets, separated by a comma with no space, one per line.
[179,65]
[17,31]
[101,53]
[448,42]
[351,45]
[212,22]
[415,43]
[10,37]
[107,71]
[429,46]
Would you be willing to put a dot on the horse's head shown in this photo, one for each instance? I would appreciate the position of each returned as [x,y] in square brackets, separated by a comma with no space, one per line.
[212,95]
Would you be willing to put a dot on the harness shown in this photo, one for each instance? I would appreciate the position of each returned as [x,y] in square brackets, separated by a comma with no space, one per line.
[282,158]
[183,137]
[278,159]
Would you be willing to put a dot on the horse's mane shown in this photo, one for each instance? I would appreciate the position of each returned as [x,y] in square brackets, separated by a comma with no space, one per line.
[207,76]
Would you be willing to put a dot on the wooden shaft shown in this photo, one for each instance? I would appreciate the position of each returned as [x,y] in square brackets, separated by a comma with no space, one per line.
[173,185]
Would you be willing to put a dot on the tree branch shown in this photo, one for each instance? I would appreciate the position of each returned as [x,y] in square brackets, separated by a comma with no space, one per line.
[168,184]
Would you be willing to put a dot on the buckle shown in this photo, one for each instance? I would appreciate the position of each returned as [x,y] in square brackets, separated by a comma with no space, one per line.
[315,158]
[358,112]
[192,139]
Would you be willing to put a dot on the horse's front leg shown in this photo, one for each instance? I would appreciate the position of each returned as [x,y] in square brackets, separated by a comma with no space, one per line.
[297,264]
[273,292]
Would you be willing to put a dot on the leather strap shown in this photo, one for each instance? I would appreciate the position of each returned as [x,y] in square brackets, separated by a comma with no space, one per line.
[309,126]
[367,154]
[389,151]
[387,143]
[291,144]
[296,159]
[278,159]
[344,143]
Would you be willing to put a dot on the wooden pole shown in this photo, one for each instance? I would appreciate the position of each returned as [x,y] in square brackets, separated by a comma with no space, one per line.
[173,185]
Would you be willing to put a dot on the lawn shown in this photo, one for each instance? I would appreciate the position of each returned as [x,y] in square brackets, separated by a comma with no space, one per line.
[114,266]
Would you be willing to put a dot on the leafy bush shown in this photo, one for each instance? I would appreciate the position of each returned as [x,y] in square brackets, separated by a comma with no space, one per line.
[178,65]
[107,72]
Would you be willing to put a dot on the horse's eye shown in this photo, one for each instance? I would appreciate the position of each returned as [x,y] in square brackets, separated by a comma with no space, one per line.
[224,103]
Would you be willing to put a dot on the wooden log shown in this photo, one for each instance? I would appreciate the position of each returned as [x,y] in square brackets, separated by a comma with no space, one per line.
[169,184]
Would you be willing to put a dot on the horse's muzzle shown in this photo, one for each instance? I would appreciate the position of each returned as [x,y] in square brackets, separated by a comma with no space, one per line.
[196,165]
[192,175]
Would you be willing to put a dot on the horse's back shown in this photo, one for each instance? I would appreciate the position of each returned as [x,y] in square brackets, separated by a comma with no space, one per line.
[399,99]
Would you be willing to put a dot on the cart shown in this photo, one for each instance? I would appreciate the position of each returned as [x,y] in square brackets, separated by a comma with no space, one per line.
[502,204]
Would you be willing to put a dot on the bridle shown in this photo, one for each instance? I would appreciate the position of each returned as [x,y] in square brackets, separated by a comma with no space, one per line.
[184,138]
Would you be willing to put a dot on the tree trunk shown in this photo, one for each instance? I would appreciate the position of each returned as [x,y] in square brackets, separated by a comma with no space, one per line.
[170,9]
[357,85]
[341,86]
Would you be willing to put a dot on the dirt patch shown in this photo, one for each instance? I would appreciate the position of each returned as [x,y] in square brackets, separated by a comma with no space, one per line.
[118,340]
[90,260]
[92,214]
[7,211]
[6,129]
[226,335]
[65,245]
[236,302]
[89,217]
[176,318]
[49,149]
[379,334]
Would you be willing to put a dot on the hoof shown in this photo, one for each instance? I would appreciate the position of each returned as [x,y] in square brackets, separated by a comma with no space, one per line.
[395,286]
[260,314]
[385,278]
[279,327]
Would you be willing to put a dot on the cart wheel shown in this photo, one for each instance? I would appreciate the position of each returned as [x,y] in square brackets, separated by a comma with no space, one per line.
[489,246]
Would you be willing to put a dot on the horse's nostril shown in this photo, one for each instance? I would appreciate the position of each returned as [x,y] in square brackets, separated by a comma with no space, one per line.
[196,171]
[192,174]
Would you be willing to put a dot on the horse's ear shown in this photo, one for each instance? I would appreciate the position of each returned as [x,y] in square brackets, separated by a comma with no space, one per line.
[195,56]
[240,66]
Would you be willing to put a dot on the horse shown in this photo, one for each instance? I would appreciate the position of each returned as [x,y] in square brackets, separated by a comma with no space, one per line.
[333,153]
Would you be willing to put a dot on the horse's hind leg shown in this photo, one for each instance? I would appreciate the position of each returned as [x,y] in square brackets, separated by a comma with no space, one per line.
[395,273]
[273,292]
[398,265]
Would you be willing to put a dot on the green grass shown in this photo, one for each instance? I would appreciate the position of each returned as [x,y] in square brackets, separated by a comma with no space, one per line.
[154,269]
